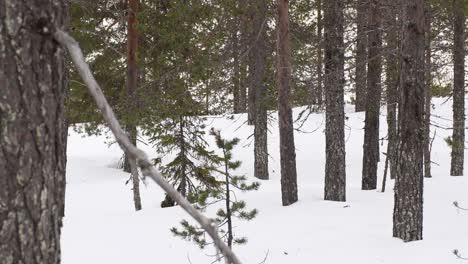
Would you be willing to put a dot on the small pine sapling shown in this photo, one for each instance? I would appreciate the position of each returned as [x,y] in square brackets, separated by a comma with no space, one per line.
[223,166]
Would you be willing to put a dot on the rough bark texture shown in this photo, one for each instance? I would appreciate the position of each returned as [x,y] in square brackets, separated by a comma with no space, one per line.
[361,54]
[428,95]
[374,86]
[258,72]
[458,137]
[408,210]
[287,149]
[33,131]
[335,167]
[392,79]
[131,86]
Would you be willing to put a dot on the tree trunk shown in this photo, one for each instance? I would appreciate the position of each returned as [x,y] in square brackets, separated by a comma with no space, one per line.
[371,152]
[33,131]
[236,66]
[243,61]
[258,81]
[408,210]
[428,95]
[318,93]
[458,137]
[287,149]
[131,86]
[254,31]
[335,167]
[392,79]
[361,54]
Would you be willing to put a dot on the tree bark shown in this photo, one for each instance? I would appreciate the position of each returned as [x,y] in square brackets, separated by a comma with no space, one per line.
[318,93]
[428,95]
[408,206]
[258,82]
[335,166]
[287,149]
[371,152]
[131,87]
[458,137]
[236,64]
[361,54]
[243,59]
[33,131]
[392,79]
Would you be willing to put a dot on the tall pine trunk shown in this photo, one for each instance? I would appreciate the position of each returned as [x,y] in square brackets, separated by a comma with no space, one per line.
[391,82]
[428,95]
[374,75]
[408,206]
[458,137]
[243,59]
[131,87]
[361,54]
[317,94]
[236,63]
[335,166]
[258,77]
[287,149]
[33,134]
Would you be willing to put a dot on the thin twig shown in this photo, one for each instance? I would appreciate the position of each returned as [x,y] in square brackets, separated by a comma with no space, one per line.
[142,159]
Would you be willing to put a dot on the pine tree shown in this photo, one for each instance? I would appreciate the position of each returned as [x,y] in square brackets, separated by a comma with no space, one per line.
[428,94]
[458,137]
[335,166]
[287,149]
[33,134]
[223,166]
[408,208]
[371,130]
[392,81]
[131,87]
[318,93]
[361,54]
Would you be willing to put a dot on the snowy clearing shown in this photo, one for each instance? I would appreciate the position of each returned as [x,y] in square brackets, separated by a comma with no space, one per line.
[101,226]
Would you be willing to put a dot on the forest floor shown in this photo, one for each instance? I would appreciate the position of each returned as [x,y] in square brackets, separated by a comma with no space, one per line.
[101,226]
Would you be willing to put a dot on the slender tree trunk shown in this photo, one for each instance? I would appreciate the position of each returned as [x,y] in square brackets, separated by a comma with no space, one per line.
[131,86]
[230,237]
[318,92]
[236,66]
[408,210]
[243,59]
[428,95]
[254,32]
[287,149]
[374,75]
[33,131]
[258,80]
[458,137]
[392,80]
[335,166]
[361,54]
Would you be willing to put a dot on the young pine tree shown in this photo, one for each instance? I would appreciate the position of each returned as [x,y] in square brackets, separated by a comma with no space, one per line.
[223,167]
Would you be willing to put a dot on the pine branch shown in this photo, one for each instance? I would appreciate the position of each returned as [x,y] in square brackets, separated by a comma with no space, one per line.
[142,159]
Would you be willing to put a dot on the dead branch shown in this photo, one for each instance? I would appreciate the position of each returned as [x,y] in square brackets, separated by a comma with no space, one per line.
[142,159]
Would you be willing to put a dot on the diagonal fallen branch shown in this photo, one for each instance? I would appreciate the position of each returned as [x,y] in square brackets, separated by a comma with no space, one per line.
[142,159]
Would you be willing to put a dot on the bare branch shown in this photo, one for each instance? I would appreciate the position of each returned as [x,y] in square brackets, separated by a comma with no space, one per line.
[142,159]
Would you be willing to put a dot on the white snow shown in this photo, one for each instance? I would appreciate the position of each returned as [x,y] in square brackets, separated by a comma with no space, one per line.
[101,226]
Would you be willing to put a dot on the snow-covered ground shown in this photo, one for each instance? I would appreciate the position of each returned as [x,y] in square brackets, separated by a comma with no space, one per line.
[101,226]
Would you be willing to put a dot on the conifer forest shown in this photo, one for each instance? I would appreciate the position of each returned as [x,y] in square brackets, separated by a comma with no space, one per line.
[233,131]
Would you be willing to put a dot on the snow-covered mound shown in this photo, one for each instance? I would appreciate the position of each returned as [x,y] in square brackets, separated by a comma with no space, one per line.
[101,225]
